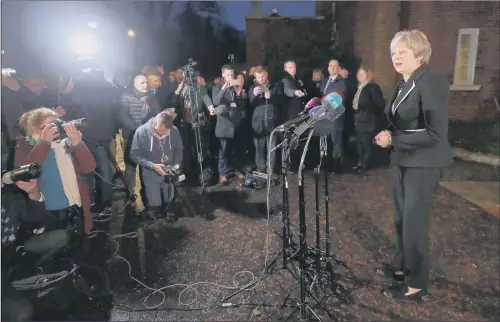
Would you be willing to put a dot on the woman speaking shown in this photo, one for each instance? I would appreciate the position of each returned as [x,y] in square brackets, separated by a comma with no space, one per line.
[418,140]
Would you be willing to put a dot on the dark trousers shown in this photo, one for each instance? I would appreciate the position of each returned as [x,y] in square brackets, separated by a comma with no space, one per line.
[130,166]
[155,190]
[229,156]
[104,176]
[261,148]
[364,147]
[337,145]
[413,190]
[15,307]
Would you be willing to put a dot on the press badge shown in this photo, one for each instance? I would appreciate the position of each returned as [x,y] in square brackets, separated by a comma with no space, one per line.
[233,104]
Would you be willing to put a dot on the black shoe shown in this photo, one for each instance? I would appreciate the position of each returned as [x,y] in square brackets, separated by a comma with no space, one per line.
[399,294]
[389,272]
[357,167]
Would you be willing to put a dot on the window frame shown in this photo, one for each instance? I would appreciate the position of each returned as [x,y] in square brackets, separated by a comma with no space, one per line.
[471,67]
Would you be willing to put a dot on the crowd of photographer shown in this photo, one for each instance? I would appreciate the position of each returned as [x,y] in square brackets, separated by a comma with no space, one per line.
[69,132]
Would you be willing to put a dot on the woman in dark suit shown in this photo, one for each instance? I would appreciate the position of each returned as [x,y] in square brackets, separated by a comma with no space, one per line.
[418,140]
[368,103]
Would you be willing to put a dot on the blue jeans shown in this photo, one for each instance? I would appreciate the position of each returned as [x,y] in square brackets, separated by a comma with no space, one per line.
[105,177]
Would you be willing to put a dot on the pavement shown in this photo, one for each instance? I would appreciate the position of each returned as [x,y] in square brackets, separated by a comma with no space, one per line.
[220,243]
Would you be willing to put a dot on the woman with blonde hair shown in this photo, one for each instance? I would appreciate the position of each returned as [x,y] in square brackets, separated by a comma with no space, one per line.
[368,103]
[63,161]
[418,141]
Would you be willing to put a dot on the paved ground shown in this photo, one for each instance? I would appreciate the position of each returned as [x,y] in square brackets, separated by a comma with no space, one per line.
[227,235]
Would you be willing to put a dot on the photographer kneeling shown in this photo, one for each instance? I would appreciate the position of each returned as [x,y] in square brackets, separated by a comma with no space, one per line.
[157,144]
[59,149]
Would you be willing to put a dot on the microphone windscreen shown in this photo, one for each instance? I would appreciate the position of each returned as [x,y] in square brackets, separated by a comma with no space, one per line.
[332,99]
[312,103]
[313,111]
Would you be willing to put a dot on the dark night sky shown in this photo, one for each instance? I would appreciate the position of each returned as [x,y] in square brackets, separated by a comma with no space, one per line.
[236,11]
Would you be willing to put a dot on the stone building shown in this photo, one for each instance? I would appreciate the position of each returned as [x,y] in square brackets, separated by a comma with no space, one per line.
[465,39]
[263,31]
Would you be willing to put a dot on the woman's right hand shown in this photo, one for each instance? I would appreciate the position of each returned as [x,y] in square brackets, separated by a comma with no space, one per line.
[49,133]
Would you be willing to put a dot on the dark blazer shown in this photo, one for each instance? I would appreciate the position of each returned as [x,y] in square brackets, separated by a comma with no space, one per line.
[370,105]
[265,111]
[293,104]
[338,84]
[420,122]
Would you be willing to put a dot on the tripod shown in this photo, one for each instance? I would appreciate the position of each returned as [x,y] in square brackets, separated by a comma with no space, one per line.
[192,101]
[331,262]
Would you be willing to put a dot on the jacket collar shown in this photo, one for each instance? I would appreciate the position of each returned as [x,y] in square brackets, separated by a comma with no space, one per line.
[410,84]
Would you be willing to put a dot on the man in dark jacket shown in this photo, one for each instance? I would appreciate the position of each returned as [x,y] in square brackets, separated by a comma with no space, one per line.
[98,104]
[335,82]
[136,108]
[293,89]
[230,113]
[157,144]
[264,100]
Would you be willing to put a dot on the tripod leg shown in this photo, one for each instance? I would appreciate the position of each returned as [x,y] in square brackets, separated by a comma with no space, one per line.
[327,219]
[318,248]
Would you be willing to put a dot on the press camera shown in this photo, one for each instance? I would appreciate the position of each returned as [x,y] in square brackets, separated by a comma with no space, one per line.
[25,172]
[173,174]
[189,73]
[59,125]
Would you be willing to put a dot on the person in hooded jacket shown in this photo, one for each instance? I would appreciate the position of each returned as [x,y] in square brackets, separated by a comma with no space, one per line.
[156,144]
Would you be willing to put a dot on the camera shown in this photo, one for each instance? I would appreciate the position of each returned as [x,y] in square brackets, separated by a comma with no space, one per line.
[173,174]
[189,73]
[258,180]
[59,125]
[25,172]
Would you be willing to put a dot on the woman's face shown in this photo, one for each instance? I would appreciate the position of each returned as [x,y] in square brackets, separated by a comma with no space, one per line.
[242,79]
[403,59]
[37,130]
[362,77]
[316,77]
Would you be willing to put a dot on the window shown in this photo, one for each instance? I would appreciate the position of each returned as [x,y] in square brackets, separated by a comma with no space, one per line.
[465,60]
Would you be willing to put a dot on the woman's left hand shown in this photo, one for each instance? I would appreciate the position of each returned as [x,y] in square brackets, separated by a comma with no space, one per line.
[74,136]
[384,139]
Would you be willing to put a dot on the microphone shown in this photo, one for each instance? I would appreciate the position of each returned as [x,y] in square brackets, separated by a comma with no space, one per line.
[331,108]
[313,102]
[23,173]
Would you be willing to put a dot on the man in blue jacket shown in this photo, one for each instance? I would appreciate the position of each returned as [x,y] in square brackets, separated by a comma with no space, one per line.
[156,144]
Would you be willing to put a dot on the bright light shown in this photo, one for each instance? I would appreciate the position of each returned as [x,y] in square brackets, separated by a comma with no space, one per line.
[92,24]
[86,70]
[84,44]
[131,33]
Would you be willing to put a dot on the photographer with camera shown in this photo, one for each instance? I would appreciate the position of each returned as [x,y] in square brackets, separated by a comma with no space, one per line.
[59,149]
[230,112]
[157,145]
[264,100]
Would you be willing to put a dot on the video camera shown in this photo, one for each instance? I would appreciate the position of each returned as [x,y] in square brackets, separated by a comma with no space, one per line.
[59,125]
[189,73]
[173,174]
[257,180]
